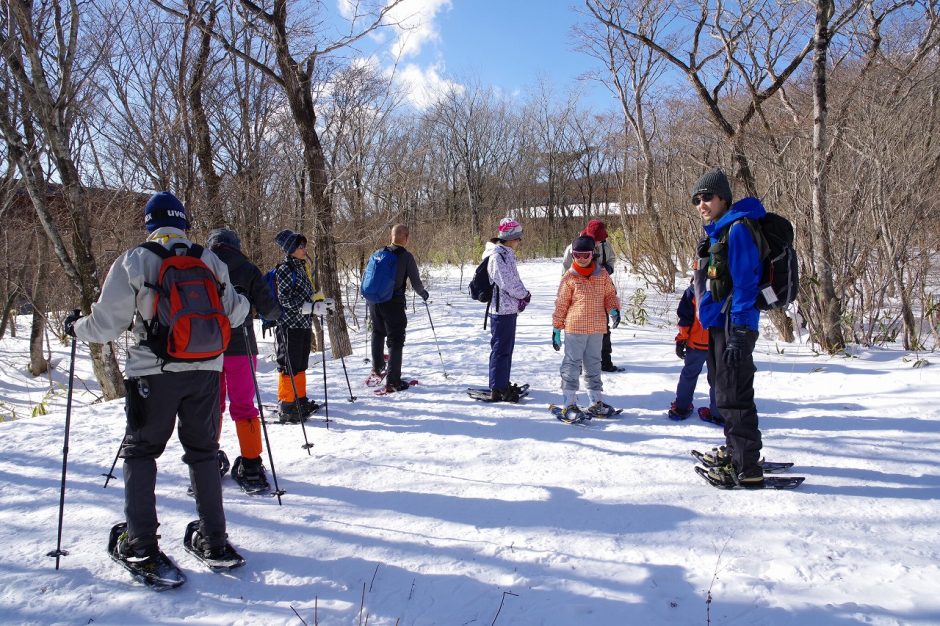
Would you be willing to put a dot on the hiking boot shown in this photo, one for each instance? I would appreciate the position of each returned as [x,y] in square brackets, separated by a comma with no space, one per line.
[705,414]
[288,413]
[601,409]
[610,367]
[393,387]
[223,463]
[249,473]
[726,476]
[306,407]
[137,550]
[511,394]
[496,395]
[677,414]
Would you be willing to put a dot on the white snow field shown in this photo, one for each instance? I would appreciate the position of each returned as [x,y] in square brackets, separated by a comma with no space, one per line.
[426,507]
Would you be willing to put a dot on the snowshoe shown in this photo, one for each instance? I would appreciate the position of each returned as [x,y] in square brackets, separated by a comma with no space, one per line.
[726,478]
[395,387]
[218,556]
[678,414]
[306,407]
[153,568]
[518,392]
[375,378]
[224,464]
[705,414]
[289,413]
[570,414]
[601,409]
[250,476]
[611,368]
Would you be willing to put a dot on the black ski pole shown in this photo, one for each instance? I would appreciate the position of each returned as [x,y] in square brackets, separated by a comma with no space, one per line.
[290,372]
[110,474]
[264,428]
[443,369]
[326,400]
[59,552]
[352,398]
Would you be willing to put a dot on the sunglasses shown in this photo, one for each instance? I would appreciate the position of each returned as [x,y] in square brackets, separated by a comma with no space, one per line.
[704,197]
[582,255]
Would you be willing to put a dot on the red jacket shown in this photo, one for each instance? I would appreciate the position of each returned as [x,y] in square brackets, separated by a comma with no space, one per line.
[690,330]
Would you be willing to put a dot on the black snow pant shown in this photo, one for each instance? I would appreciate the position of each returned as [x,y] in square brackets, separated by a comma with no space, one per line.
[734,395]
[293,349]
[388,326]
[193,396]
[606,349]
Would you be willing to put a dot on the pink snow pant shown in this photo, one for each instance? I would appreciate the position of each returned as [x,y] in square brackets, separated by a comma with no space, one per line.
[237,381]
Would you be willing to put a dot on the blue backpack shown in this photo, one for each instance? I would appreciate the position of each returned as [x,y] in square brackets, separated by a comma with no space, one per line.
[272,283]
[378,281]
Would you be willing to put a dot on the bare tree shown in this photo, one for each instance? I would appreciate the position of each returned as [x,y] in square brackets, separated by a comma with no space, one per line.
[41,44]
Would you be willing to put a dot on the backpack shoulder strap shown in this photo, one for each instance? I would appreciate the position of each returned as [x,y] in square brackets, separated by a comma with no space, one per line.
[156,248]
[763,248]
[195,251]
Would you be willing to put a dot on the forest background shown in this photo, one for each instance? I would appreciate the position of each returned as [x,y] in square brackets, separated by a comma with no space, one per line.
[270,114]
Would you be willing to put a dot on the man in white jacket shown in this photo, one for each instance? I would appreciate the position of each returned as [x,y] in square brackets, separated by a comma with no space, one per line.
[159,391]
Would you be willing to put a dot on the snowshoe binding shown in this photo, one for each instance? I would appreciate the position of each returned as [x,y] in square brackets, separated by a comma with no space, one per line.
[217,554]
[145,563]
[250,476]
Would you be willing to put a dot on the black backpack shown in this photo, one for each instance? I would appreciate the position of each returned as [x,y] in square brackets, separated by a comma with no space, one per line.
[780,282]
[482,289]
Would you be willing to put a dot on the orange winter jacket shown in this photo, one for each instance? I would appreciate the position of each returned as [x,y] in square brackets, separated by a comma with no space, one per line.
[583,302]
[690,330]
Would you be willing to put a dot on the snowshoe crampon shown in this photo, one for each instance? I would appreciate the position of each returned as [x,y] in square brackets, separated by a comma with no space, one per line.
[157,572]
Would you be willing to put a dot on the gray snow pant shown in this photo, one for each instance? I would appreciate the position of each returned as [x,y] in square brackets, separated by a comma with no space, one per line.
[194,397]
[586,348]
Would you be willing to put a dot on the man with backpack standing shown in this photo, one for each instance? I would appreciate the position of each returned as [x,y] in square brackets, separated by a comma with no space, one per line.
[510,297]
[241,357]
[383,286]
[605,257]
[727,308]
[299,301]
[162,384]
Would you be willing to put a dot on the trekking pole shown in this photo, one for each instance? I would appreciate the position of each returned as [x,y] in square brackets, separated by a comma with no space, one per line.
[110,473]
[326,400]
[264,428]
[435,338]
[290,372]
[59,552]
[352,398]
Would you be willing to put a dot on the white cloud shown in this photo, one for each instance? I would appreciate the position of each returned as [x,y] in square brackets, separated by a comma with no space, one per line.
[424,86]
[415,26]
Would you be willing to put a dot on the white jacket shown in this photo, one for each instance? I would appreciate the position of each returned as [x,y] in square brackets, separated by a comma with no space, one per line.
[505,275]
[125,300]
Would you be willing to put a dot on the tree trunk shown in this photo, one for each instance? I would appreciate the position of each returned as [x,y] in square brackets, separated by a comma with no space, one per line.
[37,360]
[203,140]
[830,335]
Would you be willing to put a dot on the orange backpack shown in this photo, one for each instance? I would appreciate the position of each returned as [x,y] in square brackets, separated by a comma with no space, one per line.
[188,322]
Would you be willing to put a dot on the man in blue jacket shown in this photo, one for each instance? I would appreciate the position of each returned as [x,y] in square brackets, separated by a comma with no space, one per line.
[726,290]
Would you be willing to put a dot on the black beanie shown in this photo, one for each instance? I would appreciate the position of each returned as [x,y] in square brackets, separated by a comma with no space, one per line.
[714,182]
[583,244]
[164,209]
[223,237]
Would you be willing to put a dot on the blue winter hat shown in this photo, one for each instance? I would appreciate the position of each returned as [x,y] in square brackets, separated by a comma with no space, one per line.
[289,241]
[164,209]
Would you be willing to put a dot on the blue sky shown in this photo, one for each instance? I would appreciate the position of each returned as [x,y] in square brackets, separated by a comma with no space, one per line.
[508,44]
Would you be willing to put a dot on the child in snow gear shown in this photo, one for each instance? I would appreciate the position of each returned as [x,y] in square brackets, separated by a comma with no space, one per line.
[692,347]
[388,318]
[585,297]
[731,317]
[241,357]
[604,255]
[510,297]
[160,391]
[299,301]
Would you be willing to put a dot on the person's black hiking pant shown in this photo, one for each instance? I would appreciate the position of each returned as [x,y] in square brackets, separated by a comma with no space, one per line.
[734,395]
[193,396]
[388,326]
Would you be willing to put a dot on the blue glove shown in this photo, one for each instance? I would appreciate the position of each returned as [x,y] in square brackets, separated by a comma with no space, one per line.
[614,318]
[68,325]
[738,345]
[556,339]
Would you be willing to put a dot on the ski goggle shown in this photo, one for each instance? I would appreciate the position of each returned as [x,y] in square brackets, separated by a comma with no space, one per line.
[582,255]
[704,197]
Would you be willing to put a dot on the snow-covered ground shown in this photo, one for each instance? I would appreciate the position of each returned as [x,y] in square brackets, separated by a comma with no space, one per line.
[426,507]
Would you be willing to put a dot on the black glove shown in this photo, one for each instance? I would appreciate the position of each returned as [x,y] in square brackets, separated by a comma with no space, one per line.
[680,349]
[737,345]
[68,325]
[266,326]
[425,295]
